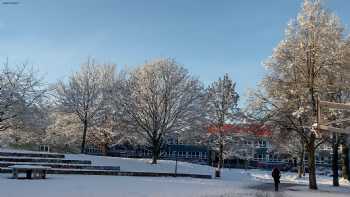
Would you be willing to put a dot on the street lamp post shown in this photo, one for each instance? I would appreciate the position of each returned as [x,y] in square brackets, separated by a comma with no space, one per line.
[177,142]
[175,163]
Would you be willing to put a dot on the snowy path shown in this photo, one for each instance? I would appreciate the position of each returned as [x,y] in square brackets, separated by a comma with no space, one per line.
[114,186]
[270,187]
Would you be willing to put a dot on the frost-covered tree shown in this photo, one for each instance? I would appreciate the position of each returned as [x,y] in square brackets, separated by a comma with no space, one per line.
[293,145]
[240,145]
[29,128]
[102,134]
[20,90]
[160,97]
[345,157]
[221,108]
[342,95]
[301,69]
[86,94]
[62,134]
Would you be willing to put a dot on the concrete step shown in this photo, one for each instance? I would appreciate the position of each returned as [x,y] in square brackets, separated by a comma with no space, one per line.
[72,171]
[31,154]
[43,160]
[117,173]
[61,166]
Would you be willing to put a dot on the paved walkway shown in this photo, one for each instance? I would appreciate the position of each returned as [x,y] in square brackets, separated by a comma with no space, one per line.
[271,187]
[268,189]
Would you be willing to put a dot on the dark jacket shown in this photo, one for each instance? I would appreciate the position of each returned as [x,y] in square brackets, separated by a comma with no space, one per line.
[276,174]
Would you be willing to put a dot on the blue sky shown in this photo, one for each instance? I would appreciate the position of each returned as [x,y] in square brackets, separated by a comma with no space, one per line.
[208,37]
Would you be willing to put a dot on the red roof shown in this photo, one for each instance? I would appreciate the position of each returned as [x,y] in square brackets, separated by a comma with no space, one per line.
[256,129]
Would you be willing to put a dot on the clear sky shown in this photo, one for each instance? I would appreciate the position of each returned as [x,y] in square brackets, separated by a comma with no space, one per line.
[209,37]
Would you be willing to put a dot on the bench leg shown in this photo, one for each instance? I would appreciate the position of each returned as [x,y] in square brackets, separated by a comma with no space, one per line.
[35,174]
[43,174]
[14,174]
[29,174]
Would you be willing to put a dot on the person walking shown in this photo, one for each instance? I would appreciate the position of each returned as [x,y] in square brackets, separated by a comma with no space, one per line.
[276,175]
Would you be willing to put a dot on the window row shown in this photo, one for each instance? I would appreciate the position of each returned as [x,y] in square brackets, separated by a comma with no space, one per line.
[186,154]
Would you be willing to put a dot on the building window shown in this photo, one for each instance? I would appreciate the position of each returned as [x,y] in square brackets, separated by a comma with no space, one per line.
[44,148]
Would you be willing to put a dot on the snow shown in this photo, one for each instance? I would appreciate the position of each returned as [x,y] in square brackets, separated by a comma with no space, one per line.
[234,182]
[290,177]
[105,186]
[143,165]
[28,167]
[8,150]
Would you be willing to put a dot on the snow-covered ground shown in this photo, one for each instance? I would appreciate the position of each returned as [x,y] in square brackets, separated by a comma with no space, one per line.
[143,165]
[233,183]
[290,177]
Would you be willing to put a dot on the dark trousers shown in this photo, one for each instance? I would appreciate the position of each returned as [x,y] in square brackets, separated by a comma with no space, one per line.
[277,181]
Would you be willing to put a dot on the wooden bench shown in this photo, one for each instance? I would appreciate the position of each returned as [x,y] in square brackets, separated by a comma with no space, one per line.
[31,171]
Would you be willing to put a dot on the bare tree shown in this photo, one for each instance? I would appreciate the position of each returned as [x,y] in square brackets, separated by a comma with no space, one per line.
[222,106]
[299,72]
[102,134]
[343,95]
[20,89]
[293,145]
[345,158]
[240,142]
[86,93]
[160,97]
[62,133]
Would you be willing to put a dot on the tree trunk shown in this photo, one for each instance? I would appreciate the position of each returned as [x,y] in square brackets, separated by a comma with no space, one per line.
[345,161]
[105,149]
[335,146]
[301,169]
[311,162]
[311,148]
[221,155]
[84,137]
[155,151]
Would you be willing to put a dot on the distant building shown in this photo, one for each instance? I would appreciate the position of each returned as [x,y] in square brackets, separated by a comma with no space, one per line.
[185,152]
[253,151]
[260,153]
[181,152]
[128,150]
